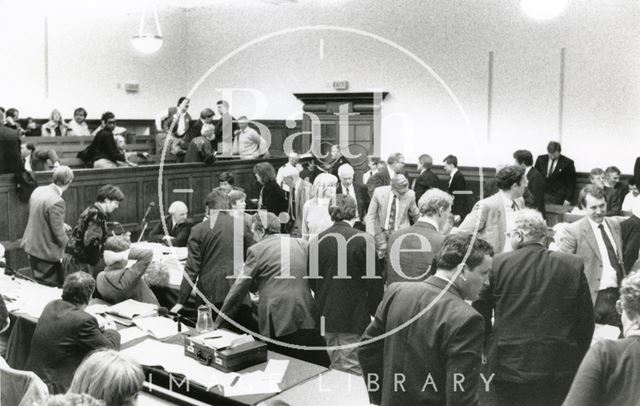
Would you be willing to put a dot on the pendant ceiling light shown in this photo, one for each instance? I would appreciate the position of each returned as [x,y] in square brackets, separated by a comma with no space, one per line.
[543,10]
[145,42]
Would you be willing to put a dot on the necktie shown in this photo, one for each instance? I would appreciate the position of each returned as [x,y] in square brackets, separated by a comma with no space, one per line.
[611,252]
[552,167]
[514,206]
[392,214]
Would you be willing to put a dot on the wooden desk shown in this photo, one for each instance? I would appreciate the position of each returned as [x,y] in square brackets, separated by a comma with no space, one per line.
[328,389]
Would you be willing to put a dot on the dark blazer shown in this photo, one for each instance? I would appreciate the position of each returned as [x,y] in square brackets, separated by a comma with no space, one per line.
[10,156]
[561,184]
[362,198]
[443,341]
[211,258]
[425,181]
[614,198]
[630,233]
[117,284]
[636,170]
[460,202]
[180,232]
[274,199]
[286,305]
[608,375]
[199,149]
[104,146]
[346,304]
[63,337]
[380,178]
[414,265]
[534,194]
[543,314]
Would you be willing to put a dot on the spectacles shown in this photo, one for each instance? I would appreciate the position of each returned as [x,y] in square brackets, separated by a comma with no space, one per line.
[619,307]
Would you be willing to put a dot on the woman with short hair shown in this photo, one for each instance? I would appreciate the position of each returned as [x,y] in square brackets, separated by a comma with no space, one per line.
[610,372]
[110,376]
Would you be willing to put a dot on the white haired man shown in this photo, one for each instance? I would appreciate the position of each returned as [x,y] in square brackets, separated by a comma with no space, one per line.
[357,191]
[178,225]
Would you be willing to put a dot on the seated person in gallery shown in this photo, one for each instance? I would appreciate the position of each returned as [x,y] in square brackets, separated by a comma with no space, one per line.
[38,159]
[119,281]
[200,148]
[78,126]
[178,226]
[66,334]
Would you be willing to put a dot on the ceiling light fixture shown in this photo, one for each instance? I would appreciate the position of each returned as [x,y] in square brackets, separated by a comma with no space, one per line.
[543,10]
[148,43]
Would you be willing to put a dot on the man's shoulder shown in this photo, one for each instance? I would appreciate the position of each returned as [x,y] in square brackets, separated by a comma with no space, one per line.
[566,159]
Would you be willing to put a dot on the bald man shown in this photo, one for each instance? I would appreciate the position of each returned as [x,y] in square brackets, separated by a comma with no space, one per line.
[178,225]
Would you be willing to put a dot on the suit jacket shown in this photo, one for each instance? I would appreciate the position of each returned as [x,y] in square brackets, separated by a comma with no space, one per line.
[63,337]
[273,198]
[362,198]
[104,146]
[543,314]
[441,342]
[227,123]
[425,181]
[211,258]
[45,237]
[346,303]
[200,150]
[534,194]
[630,233]
[302,193]
[406,209]
[636,170]
[180,232]
[561,184]
[11,161]
[38,159]
[286,304]
[580,240]
[117,284]
[460,202]
[493,221]
[339,162]
[415,263]
[614,198]
[380,178]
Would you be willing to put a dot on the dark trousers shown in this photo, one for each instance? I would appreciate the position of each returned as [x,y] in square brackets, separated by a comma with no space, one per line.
[547,392]
[604,310]
[47,273]
[310,338]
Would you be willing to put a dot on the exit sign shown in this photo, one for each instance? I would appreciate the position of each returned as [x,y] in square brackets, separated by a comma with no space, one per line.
[341,85]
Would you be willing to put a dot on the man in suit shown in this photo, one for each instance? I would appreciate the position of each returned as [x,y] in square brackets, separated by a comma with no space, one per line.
[11,161]
[560,175]
[597,177]
[543,317]
[178,225]
[597,240]
[395,165]
[298,194]
[225,128]
[286,309]
[392,208]
[457,186]
[423,363]
[346,298]
[66,334]
[45,236]
[199,143]
[119,281]
[337,160]
[204,125]
[412,249]
[215,252]
[356,190]
[493,216]
[427,179]
[618,190]
[630,234]
[534,194]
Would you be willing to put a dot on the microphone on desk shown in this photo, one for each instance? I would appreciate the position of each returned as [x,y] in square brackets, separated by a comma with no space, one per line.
[144,220]
[164,312]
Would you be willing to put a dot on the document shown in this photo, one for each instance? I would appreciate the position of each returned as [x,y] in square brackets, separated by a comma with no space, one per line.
[158,327]
[131,333]
[130,309]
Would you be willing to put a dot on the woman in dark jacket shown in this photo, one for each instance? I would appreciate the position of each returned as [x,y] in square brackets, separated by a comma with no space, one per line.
[610,372]
[272,198]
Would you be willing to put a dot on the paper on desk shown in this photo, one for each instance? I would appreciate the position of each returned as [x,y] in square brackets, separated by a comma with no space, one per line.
[605,332]
[276,369]
[130,333]
[159,327]
[132,308]
[252,383]
[96,308]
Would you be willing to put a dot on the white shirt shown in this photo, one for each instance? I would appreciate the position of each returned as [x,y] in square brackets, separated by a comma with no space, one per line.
[386,222]
[510,218]
[453,172]
[552,166]
[526,170]
[367,175]
[249,143]
[280,178]
[609,278]
[429,220]
[629,199]
[351,192]
[78,129]
[392,173]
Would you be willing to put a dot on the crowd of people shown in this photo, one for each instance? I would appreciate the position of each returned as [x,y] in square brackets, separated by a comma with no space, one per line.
[426,283]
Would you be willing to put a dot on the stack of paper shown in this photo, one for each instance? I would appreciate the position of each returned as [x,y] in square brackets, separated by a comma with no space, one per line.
[129,334]
[132,308]
[158,327]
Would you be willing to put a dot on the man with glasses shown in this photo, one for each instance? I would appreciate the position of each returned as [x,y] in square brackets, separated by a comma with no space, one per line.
[542,317]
